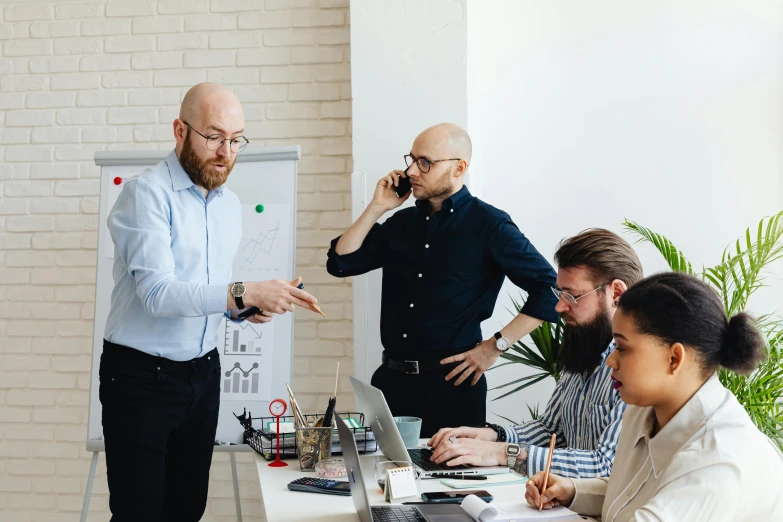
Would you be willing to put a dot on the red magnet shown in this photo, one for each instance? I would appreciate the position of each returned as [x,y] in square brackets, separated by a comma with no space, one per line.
[118,180]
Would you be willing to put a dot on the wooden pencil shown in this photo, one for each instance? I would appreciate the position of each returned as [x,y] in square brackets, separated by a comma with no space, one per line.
[546,471]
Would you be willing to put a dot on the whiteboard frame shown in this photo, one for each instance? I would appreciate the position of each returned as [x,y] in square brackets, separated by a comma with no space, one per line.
[135,159]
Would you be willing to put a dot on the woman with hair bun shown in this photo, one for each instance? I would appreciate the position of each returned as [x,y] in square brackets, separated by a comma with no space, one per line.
[688,451]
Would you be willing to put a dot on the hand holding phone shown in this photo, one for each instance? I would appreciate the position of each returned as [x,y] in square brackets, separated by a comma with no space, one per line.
[455,497]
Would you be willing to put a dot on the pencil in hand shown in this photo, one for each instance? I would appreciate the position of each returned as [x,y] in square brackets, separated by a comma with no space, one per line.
[546,471]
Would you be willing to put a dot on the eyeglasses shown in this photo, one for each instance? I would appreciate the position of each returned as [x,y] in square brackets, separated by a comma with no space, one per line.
[423,163]
[215,141]
[572,300]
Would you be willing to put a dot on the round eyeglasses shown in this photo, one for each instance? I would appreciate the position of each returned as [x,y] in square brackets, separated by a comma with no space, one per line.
[573,300]
[215,141]
[423,163]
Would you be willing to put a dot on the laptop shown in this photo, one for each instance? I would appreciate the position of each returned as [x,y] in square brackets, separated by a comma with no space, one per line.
[390,512]
[377,414]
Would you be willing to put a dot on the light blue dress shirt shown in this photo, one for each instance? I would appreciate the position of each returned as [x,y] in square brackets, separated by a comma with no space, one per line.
[173,257]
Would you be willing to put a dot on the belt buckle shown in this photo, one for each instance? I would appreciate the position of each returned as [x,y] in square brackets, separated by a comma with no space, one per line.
[416,366]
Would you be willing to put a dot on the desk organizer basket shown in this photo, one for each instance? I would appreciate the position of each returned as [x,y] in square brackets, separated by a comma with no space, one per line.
[260,435]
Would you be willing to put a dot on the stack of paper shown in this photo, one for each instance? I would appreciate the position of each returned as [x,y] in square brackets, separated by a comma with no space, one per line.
[480,511]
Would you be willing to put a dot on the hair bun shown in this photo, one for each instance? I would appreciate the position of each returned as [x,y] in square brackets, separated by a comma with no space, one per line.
[743,347]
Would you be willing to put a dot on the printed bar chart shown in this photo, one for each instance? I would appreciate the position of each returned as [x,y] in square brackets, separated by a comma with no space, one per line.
[240,381]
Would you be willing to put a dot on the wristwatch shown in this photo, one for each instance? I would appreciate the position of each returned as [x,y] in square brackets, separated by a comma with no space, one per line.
[512,458]
[512,452]
[238,290]
[501,343]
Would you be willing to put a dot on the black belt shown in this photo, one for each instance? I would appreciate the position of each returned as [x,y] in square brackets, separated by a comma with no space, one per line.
[410,367]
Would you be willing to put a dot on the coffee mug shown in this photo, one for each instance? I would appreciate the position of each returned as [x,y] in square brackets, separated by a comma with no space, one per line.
[410,430]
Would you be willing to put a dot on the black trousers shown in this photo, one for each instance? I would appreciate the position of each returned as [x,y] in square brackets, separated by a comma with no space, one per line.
[159,423]
[427,395]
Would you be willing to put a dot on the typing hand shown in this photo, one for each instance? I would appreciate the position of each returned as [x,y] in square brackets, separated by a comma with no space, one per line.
[277,297]
[385,198]
[464,432]
[559,491]
[470,451]
[474,362]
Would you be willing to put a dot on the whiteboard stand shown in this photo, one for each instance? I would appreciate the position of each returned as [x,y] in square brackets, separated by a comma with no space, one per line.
[265,176]
[96,446]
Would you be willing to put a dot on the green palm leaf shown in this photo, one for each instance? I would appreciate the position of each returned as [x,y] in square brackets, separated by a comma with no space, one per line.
[673,256]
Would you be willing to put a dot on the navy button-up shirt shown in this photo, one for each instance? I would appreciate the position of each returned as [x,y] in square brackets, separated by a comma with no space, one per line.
[442,274]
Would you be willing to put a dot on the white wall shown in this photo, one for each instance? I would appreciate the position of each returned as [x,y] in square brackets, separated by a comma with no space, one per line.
[667,113]
[408,71]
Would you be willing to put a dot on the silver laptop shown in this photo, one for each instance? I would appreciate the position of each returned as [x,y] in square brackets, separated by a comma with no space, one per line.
[376,412]
[367,513]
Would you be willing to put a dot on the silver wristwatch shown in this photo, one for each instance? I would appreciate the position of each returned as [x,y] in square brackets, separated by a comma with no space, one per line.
[501,343]
[512,452]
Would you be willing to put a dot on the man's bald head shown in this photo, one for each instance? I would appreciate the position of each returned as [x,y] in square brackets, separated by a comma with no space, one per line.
[211,100]
[449,139]
[208,109]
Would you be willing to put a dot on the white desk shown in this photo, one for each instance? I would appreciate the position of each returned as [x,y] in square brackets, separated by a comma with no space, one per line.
[283,505]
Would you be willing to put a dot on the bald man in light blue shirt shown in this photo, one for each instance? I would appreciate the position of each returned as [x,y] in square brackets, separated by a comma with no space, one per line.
[176,231]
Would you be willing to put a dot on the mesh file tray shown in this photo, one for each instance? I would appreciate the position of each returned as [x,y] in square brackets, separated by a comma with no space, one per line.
[260,434]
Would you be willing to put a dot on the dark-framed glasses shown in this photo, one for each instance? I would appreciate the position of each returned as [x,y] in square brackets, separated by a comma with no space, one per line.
[423,163]
[573,300]
[215,141]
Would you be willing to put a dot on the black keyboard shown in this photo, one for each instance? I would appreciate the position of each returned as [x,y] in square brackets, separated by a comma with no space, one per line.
[421,457]
[396,514]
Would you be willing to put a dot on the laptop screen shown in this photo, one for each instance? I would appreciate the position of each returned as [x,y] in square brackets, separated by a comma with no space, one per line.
[351,456]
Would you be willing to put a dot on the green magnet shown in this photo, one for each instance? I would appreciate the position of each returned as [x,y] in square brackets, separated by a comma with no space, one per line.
[259,208]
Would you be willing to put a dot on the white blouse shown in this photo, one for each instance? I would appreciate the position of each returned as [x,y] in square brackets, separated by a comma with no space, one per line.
[709,463]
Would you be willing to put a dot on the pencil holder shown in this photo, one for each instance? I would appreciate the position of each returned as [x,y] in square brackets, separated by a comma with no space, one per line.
[312,445]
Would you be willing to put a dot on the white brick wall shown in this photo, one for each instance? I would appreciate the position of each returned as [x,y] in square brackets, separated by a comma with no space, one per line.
[77,77]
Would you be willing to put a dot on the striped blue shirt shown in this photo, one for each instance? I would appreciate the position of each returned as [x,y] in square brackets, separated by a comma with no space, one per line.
[586,415]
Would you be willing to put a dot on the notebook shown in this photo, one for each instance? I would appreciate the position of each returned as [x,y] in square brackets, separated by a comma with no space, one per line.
[480,511]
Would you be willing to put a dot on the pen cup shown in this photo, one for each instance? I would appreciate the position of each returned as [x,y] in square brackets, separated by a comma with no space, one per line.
[312,445]
[410,430]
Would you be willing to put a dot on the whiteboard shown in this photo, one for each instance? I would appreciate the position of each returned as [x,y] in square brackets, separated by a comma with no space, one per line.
[255,359]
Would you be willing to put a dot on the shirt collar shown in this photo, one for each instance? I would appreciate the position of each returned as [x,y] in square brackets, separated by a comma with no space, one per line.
[460,198]
[683,425]
[179,178]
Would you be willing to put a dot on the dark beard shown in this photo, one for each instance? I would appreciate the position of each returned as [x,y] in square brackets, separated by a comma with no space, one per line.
[584,344]
[199,170]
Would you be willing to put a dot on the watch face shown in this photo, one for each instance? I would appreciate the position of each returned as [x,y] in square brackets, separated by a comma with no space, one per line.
[512,450]
[238,290]
[502,344]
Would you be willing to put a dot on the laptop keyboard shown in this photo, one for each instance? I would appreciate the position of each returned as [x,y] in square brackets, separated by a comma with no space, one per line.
[421,457]
[396,514]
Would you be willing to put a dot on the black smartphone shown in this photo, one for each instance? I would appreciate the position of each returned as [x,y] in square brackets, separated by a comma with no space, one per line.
[403,187]
[455,497]
[316,485]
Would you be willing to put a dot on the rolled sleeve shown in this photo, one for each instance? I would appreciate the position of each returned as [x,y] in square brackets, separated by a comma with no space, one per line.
[526,268]
[140,228]
[368,257]
[590,494]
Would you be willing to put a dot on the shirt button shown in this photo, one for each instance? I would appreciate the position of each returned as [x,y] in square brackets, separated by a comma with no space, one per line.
[211,239]
[452,210]
[428,218]
[426,246]
[404,336]
[419,275]
[211,273]
[411,305]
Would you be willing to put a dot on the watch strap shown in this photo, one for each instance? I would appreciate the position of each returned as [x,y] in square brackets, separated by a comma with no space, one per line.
[498,335]
[499,430]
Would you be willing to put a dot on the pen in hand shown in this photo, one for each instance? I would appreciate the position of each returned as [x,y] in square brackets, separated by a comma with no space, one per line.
[546,471]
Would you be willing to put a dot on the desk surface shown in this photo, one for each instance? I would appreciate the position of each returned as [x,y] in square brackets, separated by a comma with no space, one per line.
[283,505]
